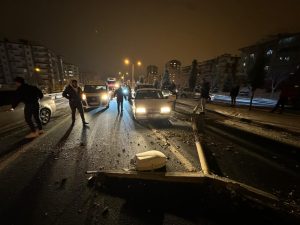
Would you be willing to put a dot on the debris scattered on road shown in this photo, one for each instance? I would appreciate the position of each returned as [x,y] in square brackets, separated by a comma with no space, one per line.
[123,150]
[119,155]
[91,180]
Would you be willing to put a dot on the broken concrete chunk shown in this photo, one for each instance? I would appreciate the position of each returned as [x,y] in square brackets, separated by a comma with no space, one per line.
[150,160]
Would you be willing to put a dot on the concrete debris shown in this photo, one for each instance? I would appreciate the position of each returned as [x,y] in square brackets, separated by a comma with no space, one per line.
[119,155]
[123,150]
[149,160]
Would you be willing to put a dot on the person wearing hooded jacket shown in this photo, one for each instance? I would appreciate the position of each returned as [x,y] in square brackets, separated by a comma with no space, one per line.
[30,96]
[73,93]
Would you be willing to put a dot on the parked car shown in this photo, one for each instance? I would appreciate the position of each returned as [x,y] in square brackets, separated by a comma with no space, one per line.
[47,110]
[149,103]
[94,96]
[189,93]
[244,92]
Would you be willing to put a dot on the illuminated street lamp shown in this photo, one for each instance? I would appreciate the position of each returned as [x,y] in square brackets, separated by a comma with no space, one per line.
[36,69]
[127,62]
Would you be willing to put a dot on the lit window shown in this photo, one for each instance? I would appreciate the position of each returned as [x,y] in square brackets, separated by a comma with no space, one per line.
[280,58]
[287,58]
[244,64]
[267,68]
[270,52]
[252,55]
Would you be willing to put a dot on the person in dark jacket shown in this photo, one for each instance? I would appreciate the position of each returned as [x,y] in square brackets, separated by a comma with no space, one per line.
[283,98]
[30,96]
[73,93]
[120,97]
[234,92]
[205,87]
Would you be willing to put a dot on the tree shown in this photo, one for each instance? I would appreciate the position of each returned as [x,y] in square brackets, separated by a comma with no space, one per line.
[165,82]
[193,75]
[256,75]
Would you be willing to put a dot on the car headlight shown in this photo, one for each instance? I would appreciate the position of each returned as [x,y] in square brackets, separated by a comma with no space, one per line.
[104,97]
[140,110]
[165,110]
[83,96]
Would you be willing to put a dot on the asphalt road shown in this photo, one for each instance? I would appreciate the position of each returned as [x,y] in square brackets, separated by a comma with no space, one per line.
[44,181]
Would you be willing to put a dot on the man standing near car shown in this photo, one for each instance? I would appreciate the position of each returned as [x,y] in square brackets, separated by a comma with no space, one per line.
[30,96]
[73,93]
[204,94]
[120,97]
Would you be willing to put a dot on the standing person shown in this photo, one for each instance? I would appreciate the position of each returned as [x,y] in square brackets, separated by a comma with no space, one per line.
[120,96]
[73,93]
[204,93]
[283,98]
[30,96]
[234,92]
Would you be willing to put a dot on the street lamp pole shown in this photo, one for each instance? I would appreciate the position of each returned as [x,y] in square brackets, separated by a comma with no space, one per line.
[132,74]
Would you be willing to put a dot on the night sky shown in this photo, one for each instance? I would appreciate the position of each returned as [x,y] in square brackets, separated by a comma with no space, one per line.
[98,35]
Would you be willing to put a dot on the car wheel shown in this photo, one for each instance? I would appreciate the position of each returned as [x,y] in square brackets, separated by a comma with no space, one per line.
[45,115]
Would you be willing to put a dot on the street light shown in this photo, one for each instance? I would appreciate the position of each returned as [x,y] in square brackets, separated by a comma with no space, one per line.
[127,62]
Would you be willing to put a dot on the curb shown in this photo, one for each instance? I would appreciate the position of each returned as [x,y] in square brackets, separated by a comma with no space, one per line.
[262,124]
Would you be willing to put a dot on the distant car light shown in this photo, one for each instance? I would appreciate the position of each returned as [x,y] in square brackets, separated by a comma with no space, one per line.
[140,110]
[104,97]
[83,96]
[165,110]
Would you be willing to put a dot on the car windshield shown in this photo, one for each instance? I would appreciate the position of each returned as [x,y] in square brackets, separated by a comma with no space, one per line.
[94,88]
[149,94]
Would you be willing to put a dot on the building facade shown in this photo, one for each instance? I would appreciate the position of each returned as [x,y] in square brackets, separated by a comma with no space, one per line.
[282,58]
[174,68]
[35,63]
[221,72]
[152,74]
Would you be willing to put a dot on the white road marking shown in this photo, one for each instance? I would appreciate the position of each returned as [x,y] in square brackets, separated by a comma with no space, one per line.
[186,163]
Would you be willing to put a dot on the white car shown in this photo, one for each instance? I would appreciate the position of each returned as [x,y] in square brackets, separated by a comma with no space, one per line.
[47,109]
[94,96]
[149,103]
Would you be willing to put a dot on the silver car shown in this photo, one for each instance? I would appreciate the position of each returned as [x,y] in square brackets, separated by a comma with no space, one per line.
[149,103]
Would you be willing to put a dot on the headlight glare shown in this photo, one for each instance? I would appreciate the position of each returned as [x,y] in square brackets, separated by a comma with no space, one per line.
[165,110]
[83,96]
[104,97]
[140,110]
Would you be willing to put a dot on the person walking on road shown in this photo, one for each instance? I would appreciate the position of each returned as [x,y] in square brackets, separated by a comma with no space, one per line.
[120,98]
[30,96]
[204,94]
[73,93]
[283,98]
[234,92]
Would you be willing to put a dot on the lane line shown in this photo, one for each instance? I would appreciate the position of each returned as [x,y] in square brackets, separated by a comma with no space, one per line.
[23,149]
[186,163]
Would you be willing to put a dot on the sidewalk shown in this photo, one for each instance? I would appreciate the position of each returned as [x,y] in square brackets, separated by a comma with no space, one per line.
[286,121]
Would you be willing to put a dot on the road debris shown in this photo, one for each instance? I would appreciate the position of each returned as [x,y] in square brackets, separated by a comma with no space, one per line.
[149,160]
